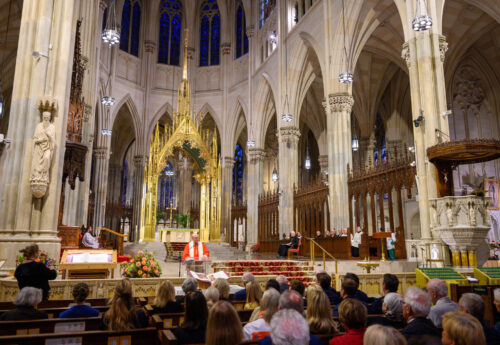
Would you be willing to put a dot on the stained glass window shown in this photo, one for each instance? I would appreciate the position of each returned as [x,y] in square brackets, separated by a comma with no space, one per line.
[241,33]
[131,27]
[169,45]
[166,187]
[380,149]
[210,33]
[266,9]
[238,170]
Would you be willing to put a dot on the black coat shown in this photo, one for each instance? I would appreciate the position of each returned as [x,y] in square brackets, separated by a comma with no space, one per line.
[191,336]
[23,313]
[420,326]
[171,307]
[35,274]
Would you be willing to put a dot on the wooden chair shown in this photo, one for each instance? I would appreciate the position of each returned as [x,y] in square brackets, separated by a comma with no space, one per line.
[296,250]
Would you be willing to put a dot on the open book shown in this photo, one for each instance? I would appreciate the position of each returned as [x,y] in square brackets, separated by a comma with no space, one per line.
[210,277]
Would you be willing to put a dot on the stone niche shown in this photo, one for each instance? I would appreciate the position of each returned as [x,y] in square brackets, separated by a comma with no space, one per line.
[462,223]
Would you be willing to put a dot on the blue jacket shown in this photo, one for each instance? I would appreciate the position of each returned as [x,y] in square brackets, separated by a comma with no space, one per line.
[79,311]
[333,296]
[314,340]
[240,295]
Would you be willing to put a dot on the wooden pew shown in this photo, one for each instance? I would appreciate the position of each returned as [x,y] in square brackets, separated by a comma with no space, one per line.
[54,312]
[491,315]
[171,321]
[58,303]
[48,326]
[133,337]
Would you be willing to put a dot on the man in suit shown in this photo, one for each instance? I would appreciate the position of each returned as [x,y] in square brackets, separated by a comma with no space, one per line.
[348,291]
[416,307]
[294,243]
[283,283]
[241,295]
[473,304]
[325,281]
[438,291]
[389,284]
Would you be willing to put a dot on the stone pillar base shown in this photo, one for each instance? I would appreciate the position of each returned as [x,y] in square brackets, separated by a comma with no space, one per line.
[12,242]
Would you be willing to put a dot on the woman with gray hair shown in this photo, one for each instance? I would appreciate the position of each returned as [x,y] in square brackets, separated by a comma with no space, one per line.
[189,285]
[26,303]
[212,296]
[392,307]
[259,328]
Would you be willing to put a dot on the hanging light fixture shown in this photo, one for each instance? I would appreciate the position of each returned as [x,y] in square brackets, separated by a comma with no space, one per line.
[111,34]
[273,37]
[106,100]
[4,48]
[422,20]
[106,132]
[355,140]
[250,143]
[275,174]
[307,163]
[345,77]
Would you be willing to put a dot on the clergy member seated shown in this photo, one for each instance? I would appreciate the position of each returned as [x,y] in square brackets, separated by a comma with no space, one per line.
[89,241]
[294,243]
[195,250]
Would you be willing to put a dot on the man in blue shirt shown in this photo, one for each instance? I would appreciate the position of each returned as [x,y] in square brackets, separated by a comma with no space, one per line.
[80,309]
[325,282]
[242,294]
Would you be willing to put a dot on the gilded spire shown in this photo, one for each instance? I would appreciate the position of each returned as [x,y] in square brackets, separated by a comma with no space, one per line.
[184,96]
[185,66]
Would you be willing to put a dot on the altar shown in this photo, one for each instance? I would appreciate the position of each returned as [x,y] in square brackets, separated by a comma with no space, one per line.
[177,234]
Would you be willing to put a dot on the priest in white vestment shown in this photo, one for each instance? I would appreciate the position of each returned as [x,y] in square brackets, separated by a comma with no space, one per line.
[90,241]
[195,250]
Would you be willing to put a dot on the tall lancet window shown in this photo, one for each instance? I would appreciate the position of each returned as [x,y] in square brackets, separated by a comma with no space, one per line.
[241,32]
[166,189]
[131,27]
[209,33]
[169,45]
[238,170]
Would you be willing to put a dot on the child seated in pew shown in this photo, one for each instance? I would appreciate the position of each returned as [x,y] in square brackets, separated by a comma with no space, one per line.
[254,295]
[123,313]
[26,303]
[165,300]
[81,309]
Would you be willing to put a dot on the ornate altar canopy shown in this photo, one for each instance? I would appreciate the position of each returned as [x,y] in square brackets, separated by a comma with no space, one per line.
[185,135]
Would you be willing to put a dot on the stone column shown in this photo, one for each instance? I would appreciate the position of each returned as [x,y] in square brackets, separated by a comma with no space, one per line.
[47,27]
[139,163]
[323,167]
[254,189]
[227,184]
[339,156]
[287,175]
[424,56]
[101,161]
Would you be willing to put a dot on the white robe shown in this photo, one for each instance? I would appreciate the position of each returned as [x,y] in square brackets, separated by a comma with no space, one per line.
[90,241]
[356,239]
[390,241]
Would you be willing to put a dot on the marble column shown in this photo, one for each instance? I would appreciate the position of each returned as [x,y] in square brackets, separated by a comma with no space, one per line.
[101,161]
[287,175]
[227,196]
[47,27]
[424,55]
[254,189]
[139,163]
[339,156]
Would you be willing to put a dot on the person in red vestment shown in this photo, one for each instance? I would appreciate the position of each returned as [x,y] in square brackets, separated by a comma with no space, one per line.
[195,250]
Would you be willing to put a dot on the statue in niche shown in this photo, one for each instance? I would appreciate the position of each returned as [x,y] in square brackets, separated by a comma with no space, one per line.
[44,142]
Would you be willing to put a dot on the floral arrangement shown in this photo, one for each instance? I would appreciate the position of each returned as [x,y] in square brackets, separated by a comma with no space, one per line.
[494,245]
[141,265]
[43,258]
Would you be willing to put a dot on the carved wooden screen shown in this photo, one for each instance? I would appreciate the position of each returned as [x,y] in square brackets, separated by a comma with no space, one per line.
[310,209]
[268,223]
[238,227]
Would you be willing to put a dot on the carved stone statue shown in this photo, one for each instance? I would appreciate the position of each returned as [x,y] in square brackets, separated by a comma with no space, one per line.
[44,141]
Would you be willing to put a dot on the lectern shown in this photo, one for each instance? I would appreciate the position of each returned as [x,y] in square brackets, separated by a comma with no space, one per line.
[382,236]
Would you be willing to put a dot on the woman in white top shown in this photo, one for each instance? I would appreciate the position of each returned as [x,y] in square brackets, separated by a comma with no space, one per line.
[259,329]
[90,241]
[390,245]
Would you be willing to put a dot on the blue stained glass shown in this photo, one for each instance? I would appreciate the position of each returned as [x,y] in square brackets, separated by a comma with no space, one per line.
[175,41]
[124,37]
[238,174]
[136,29]
[239,29]
[164,35]
[215,40]
[204,38]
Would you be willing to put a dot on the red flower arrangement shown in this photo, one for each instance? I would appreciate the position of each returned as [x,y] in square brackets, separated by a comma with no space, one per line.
[141,265]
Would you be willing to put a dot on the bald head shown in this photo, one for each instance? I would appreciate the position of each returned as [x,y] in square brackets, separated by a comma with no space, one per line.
[195,237]
[247,277]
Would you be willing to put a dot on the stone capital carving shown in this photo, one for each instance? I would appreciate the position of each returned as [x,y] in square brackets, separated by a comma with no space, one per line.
[256,155]
[289,134]
[44,143]
[87,111]
[250,31]
[149,46]
[190,53]
[405,54]
[229,162]
[339,102]
[101,152]
[139,161]
[443,47]
[226,48]
[326,106]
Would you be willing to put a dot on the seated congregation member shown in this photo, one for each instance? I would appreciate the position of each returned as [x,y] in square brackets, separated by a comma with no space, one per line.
[344,233]
[194,326]
[325,281]
[319,236]
[299,286]
[123,313]
[359,295]
[462,329]
[390,284]
[88,239]
[241,295]
[212,296]
[425,340]
[188,285]
[33,273]
[165,299]
[26,303]
[195,250]
[383,335]
[223,286]
[319,313]
[294,243]
[254,295]
[80,309]
[416,307]
[288,326]
[273,283]
[348,291]
[283,283]
[438,292]
[392,307]
[496,301]
[352,317]
[327,233]
[473,304]
[224,325]
[260,328]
